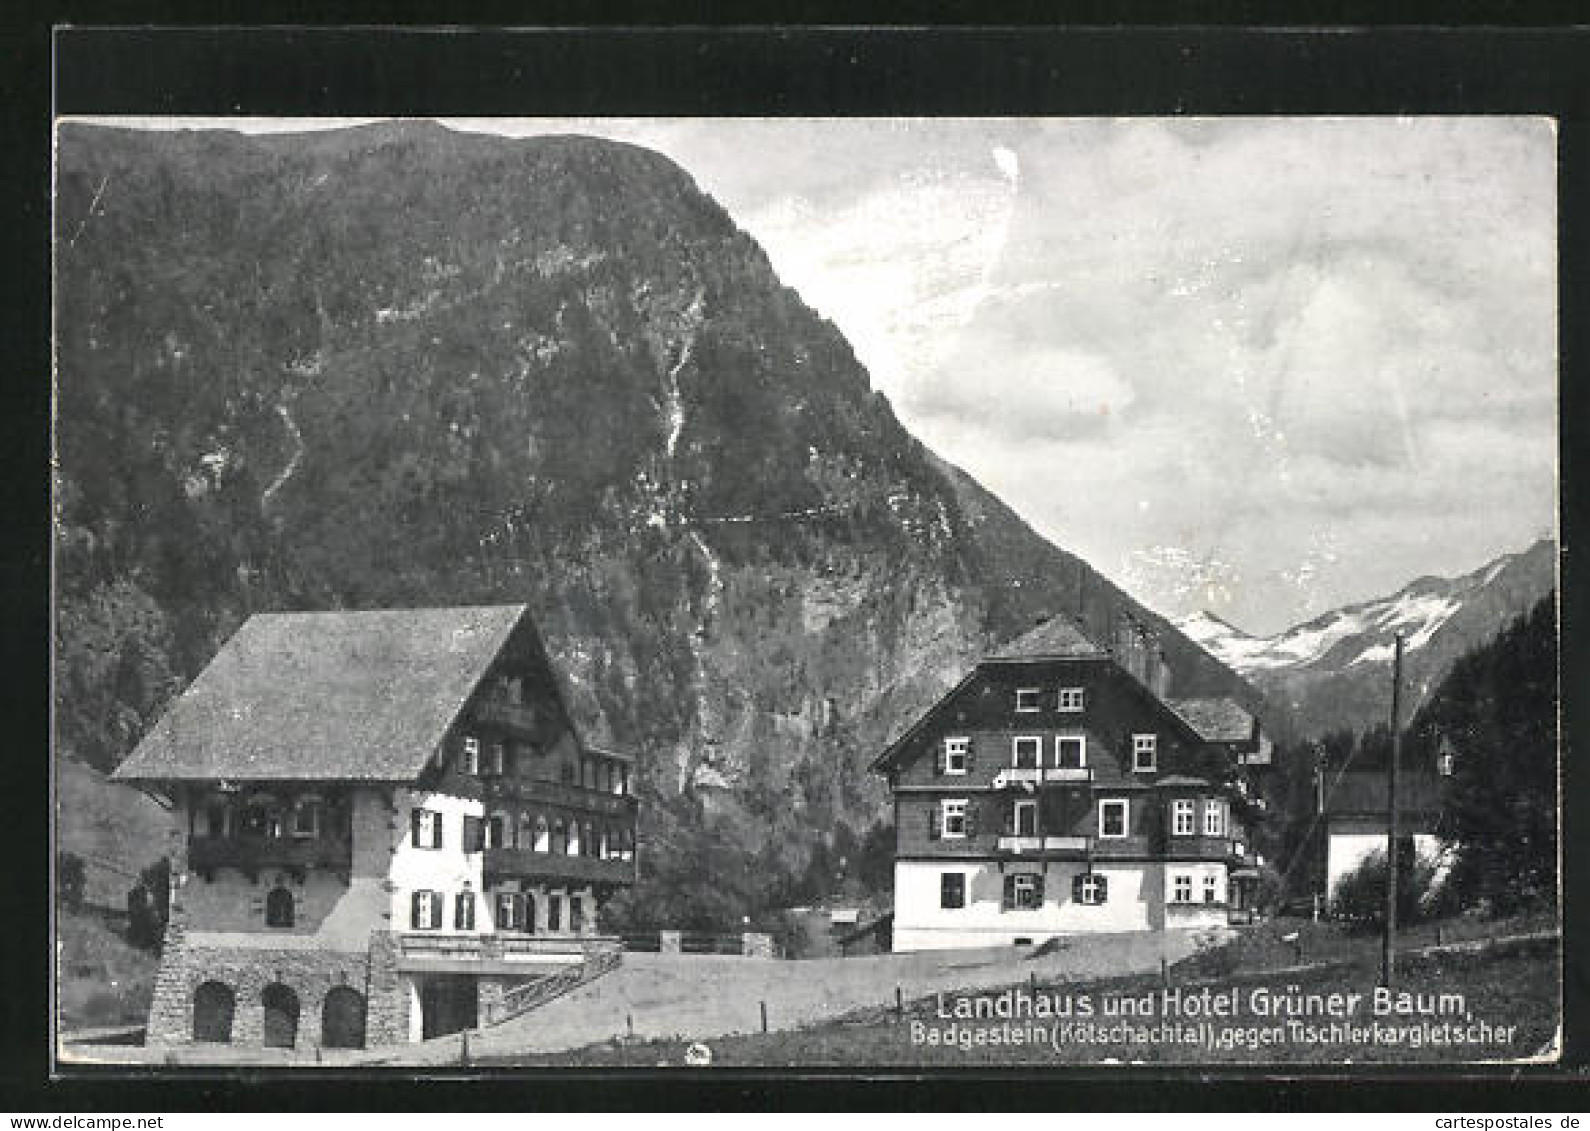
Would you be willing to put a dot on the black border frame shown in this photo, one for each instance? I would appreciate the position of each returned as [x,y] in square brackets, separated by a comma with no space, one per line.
[693,62]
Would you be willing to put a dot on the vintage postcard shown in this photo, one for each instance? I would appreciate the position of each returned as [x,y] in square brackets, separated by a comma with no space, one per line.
[877,593]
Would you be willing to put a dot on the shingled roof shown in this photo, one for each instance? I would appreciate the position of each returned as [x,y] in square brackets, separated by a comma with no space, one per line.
[1215,720]
[1363,793]
[326,696]
[1056,638]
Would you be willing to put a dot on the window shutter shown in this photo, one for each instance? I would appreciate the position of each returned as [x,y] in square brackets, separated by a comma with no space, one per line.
[436,831]
[1010,893]
[933,821]
[1104,888]
[1076,887]
[436,909]
[414,828]
[971,818]
[414,909]
[1010,819]
[939,759]
[971,756]
[1037,890]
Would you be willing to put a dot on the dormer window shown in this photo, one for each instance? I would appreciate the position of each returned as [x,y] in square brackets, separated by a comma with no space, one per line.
[1145,753]
[469,755]
[1113,818]
[513,689]
[494,760]
[1027,700]
[1071,699]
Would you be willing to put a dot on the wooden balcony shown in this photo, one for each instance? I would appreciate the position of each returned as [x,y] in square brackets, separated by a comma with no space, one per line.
[522,862]
[531,790]
[269,852]
[1039,847]
[1199,848]
[518,718]
[1119,847]
[1013,776]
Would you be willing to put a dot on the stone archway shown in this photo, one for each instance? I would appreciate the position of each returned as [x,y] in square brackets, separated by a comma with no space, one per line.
[214,1003]
[281,1017]
[342,1019]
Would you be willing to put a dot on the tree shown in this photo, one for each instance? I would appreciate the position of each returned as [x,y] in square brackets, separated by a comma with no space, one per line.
[1497,711]
[70,880]
[1360,897]
[149,906]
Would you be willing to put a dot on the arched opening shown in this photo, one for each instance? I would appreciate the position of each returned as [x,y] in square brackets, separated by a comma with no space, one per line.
[213,1006]
[279,908]
[342,1019]
[281,1016]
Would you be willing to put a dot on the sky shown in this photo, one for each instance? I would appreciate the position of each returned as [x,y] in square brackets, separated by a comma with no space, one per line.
[1263,367]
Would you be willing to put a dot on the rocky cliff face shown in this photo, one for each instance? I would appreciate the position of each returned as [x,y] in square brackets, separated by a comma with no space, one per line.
[396,365]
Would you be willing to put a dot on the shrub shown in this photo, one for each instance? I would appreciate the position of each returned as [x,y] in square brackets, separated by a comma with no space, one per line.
[1360,896]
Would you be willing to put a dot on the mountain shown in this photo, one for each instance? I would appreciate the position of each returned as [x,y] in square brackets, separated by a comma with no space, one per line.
[397,365]
[1334,671]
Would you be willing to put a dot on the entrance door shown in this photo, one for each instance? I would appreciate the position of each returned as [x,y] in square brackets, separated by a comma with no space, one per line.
[281,1016]
[342,1019]
[449,1003]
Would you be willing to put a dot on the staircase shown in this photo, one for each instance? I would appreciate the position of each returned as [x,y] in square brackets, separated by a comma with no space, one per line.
[534,994]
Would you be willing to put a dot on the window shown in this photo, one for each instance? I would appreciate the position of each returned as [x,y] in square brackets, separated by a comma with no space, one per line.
[1112,818]
[1027,700]
[513,689]
[954,818]
[525,834]
[588,845]
[955,755]
[1211,888]
[1070,752]
[1214,819]
[426,828]
[306,818]
[576,914]
[464,911]
[494,760]
[1145,753]
[1023,892]
[554,913]
[560,839]
[952,890]
[1181,889]
[474,834]
[1026,818]
[1445,764]
[1091,889]
[1071,699]
[543,842]
[1183,819]
[1024,751]
[497,831]
[515,912]
[425,911]
[279,908]
[469,755]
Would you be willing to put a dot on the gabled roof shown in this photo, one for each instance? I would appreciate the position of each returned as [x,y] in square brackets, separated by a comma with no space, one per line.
[1054,639]
[326,696]
[1215,720]
[1363,793]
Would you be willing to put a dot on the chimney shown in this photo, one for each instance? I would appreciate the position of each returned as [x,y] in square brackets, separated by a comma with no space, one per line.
[1160,684]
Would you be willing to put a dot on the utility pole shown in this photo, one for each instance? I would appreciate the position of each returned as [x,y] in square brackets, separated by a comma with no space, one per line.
[1388,969]
[1319,821]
